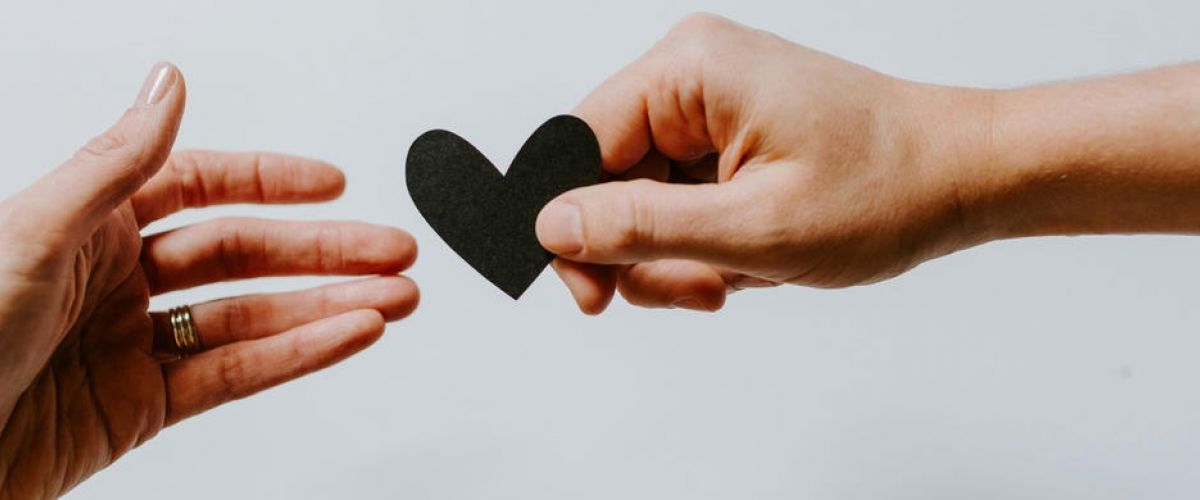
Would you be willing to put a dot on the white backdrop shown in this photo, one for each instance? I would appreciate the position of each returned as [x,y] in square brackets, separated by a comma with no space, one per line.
[1053,368]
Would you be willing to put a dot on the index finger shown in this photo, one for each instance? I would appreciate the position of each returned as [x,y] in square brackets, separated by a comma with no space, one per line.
[657,102]
[194,179]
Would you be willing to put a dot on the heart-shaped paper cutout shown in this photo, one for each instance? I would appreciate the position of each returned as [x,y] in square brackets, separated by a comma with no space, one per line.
[488,217]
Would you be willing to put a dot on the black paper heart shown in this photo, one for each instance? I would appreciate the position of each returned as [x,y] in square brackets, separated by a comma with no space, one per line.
[488,217]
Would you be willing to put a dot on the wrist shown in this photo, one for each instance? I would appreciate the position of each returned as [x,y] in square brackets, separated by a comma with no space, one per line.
[952,135]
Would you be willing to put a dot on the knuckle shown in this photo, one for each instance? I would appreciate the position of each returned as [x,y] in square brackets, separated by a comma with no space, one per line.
[632,221]
[231,372]
[117,149]
[329,244]
[698,25]
[110,143]
[701,32]
[702,39]
[258,180]
[298,350]
[231,251]
[190,183]
[693,41]
[329,300]
[238,317]
[688,42]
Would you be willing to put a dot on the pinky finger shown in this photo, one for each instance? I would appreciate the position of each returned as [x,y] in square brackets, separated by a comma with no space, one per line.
[674,283]
[592,285]
[212,378]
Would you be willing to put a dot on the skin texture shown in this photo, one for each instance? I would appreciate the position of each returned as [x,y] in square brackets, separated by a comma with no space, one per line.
[87,372]
[739,159]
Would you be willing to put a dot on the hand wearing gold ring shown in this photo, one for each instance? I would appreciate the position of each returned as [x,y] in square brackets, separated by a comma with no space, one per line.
[183,330]
[87,373]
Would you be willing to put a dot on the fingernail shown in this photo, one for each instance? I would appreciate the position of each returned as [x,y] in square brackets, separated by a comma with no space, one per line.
[560,229]
[158,82]
[689,303]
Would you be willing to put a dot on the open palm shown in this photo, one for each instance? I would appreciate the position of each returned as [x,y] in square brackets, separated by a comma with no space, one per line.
[87,372]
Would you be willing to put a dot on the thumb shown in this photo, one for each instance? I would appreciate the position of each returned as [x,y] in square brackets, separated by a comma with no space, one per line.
[75,197]
[625,222]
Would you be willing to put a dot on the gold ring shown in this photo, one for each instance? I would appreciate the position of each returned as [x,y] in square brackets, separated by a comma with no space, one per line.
[187,339]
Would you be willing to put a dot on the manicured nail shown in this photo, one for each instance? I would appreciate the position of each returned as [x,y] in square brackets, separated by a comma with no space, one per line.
[560,229]
[158,82]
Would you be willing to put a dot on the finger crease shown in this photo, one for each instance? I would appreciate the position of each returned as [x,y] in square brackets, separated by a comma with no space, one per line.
[256,170]
[229,369]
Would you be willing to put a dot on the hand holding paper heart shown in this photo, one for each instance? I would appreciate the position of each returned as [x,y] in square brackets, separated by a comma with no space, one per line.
[803,168]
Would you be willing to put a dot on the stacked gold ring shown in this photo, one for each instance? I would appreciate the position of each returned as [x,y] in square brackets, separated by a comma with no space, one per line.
[187,340]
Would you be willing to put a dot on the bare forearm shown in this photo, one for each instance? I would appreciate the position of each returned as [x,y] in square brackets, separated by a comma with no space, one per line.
[1110,155]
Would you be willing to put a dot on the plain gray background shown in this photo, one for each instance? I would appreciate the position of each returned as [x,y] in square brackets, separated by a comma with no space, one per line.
[1056,368]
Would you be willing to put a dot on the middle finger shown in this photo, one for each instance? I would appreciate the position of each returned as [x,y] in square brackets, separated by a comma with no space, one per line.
[238,248]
